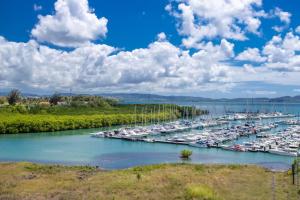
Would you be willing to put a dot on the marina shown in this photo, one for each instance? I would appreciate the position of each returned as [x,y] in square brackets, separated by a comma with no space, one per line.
[62,147]
[221,132]
[152,100]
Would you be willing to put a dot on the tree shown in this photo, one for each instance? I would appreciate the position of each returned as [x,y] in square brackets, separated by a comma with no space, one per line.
[54,99]
[14,97]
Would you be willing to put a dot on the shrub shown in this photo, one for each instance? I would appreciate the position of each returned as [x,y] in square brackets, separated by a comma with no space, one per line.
[235,166]
[2,100]
[185,154]
[199,168]
[21,109]
[200,193]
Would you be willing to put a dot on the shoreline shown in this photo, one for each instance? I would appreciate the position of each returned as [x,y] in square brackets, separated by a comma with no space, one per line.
[265,165]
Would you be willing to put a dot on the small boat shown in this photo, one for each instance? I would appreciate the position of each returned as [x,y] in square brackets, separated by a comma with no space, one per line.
[283,153]
[148,140]
[239,148]
[226,147]
[198,144]
[97,135]
[262,135]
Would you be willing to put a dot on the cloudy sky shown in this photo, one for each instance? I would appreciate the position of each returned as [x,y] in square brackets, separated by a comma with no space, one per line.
[210,48]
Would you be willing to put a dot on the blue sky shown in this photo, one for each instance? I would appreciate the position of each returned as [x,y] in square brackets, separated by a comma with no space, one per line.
[132,24]
[213,48]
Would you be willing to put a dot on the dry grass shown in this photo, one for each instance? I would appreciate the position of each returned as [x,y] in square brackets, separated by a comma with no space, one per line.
[176,181]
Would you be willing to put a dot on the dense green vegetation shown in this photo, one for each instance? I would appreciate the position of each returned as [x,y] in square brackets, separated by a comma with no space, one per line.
[58,113]
[156,182]
[19,123]
[24,119]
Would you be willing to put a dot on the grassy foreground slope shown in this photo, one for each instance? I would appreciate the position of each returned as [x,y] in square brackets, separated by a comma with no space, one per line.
[167,181]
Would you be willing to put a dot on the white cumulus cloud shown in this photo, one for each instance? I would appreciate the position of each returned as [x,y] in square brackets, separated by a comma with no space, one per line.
[161,36]
[209,26]
[73,24]
[231,19]
[252,55]
[284,17]
[283,53]
[161,66]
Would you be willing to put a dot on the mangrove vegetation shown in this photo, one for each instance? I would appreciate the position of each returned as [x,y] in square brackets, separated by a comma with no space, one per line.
[56,113]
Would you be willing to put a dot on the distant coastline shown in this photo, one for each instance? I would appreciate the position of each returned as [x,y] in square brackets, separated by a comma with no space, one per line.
[155,98]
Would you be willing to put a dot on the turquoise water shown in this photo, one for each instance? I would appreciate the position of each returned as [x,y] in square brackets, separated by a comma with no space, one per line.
[80,148]
[77,147]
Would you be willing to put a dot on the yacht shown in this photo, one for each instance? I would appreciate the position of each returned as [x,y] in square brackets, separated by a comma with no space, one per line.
[283,153]
[97,135]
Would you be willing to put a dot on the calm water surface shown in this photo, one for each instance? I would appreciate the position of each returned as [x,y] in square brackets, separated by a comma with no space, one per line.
[77,147]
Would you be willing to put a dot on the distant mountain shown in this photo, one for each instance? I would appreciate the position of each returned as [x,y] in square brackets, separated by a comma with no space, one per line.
[286,99]
[154,98]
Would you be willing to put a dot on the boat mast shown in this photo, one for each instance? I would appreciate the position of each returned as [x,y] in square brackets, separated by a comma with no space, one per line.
[158,114]
[135,116]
